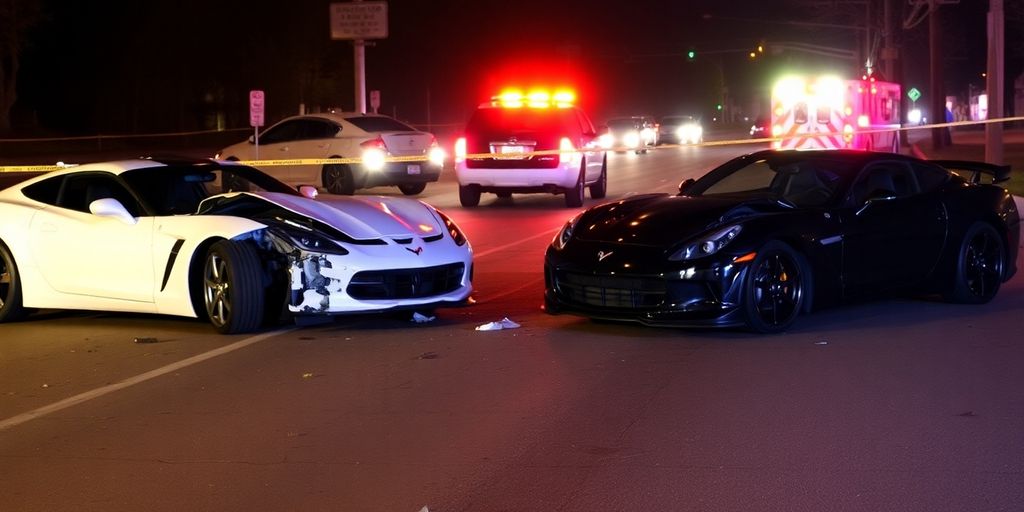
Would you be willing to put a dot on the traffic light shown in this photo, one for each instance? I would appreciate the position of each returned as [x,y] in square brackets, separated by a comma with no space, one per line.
[690,55]
[718,106]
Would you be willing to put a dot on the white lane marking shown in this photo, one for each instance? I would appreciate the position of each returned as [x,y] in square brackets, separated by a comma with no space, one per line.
[513,244]
[131,381]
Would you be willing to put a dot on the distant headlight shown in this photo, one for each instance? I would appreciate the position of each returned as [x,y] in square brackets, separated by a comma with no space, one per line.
[631,139]
[690,133]
[706,246]
[565,234]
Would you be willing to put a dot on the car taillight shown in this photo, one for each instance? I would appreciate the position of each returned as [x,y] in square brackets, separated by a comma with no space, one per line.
[460,149]
[435,154]
[566,151]
[374,154]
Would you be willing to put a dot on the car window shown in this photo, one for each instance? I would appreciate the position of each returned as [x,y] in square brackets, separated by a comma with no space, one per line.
[886,179]
[584,121]
[80,190]
[319,129]
[756,176]
[379,124]
[284,132]
[500,122]
[179,190]
[930,177]
[45,191]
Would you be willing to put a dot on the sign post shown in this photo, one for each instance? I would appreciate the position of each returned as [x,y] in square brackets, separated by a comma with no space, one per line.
[358,21]
[256,103]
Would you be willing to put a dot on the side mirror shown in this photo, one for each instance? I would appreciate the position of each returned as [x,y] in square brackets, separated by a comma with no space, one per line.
[308,191]
[111,208]
[687,183]
[252,139]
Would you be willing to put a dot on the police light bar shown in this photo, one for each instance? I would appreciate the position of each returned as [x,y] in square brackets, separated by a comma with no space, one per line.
[538,98]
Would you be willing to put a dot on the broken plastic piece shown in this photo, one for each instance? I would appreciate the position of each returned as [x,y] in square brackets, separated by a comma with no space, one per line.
[422,319]
[508,324]
[145,340]
[504,323]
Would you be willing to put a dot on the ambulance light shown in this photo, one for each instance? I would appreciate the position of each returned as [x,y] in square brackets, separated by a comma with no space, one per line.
[862,121]
[776,130]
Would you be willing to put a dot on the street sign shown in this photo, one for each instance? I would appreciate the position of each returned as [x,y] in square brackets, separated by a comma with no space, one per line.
[375,101]
[914,94]
[359,20]
[256,108]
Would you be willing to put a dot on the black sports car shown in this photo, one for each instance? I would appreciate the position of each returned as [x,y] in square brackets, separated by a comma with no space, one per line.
[772,234]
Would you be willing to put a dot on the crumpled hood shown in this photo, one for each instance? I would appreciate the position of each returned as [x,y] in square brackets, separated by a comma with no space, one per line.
[662,220]
[362,217]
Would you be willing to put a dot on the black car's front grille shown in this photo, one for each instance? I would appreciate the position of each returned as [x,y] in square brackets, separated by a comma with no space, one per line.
[410,283]
[610,291]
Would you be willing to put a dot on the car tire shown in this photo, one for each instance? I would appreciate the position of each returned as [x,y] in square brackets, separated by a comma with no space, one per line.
[411,189]
[233,287]
[469,195]
[338,179]
[11,309]
[980,265]
[599,189]
[774,288]
[574,195]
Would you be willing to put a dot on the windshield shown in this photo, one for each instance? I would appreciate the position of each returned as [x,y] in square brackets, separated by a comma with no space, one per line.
[178,190]
[799,182]
[677,120]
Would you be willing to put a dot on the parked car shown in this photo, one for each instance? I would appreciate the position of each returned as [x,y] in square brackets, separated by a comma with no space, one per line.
[770,235]
[539,142]
[680,130]
[366,140]
[220,241]
[636,133]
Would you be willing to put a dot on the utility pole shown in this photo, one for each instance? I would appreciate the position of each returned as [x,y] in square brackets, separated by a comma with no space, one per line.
[938,105]
[994,83]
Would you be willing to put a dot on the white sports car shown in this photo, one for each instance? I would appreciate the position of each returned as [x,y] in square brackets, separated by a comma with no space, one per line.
[221,241]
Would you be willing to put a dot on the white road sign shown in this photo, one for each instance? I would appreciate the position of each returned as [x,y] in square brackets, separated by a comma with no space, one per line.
[359,20]
[256,108]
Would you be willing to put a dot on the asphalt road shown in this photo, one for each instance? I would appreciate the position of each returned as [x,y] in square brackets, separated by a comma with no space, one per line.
[904,404]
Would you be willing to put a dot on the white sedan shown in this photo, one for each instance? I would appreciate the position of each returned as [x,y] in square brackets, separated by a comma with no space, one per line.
[221,241]
[372,142]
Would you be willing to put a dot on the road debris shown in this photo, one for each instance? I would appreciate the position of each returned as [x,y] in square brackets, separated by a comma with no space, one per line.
[141,339]
[822,342]
[504,323]
[421,318]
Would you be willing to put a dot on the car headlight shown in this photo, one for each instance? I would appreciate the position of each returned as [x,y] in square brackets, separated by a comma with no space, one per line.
[453,229]
[708,245]
[565,234]
[313,242]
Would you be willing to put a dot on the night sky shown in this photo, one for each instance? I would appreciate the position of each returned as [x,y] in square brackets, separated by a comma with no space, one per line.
[160,65]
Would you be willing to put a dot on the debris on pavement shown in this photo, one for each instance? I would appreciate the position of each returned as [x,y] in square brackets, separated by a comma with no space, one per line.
[822,342]
[504,323]
[422,319]
[145,340]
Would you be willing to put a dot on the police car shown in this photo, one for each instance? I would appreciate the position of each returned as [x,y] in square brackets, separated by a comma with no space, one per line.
[527,143]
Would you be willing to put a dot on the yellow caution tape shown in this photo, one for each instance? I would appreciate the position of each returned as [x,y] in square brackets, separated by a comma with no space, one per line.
[419,158]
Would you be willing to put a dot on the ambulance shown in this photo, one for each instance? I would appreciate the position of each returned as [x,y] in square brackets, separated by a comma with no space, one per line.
[832,113]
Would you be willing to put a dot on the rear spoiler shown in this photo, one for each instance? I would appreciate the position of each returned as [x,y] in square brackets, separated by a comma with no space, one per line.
[999,173]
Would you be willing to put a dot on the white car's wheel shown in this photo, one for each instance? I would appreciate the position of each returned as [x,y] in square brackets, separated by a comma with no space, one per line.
[10,288]
[338,179]
[233,287]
